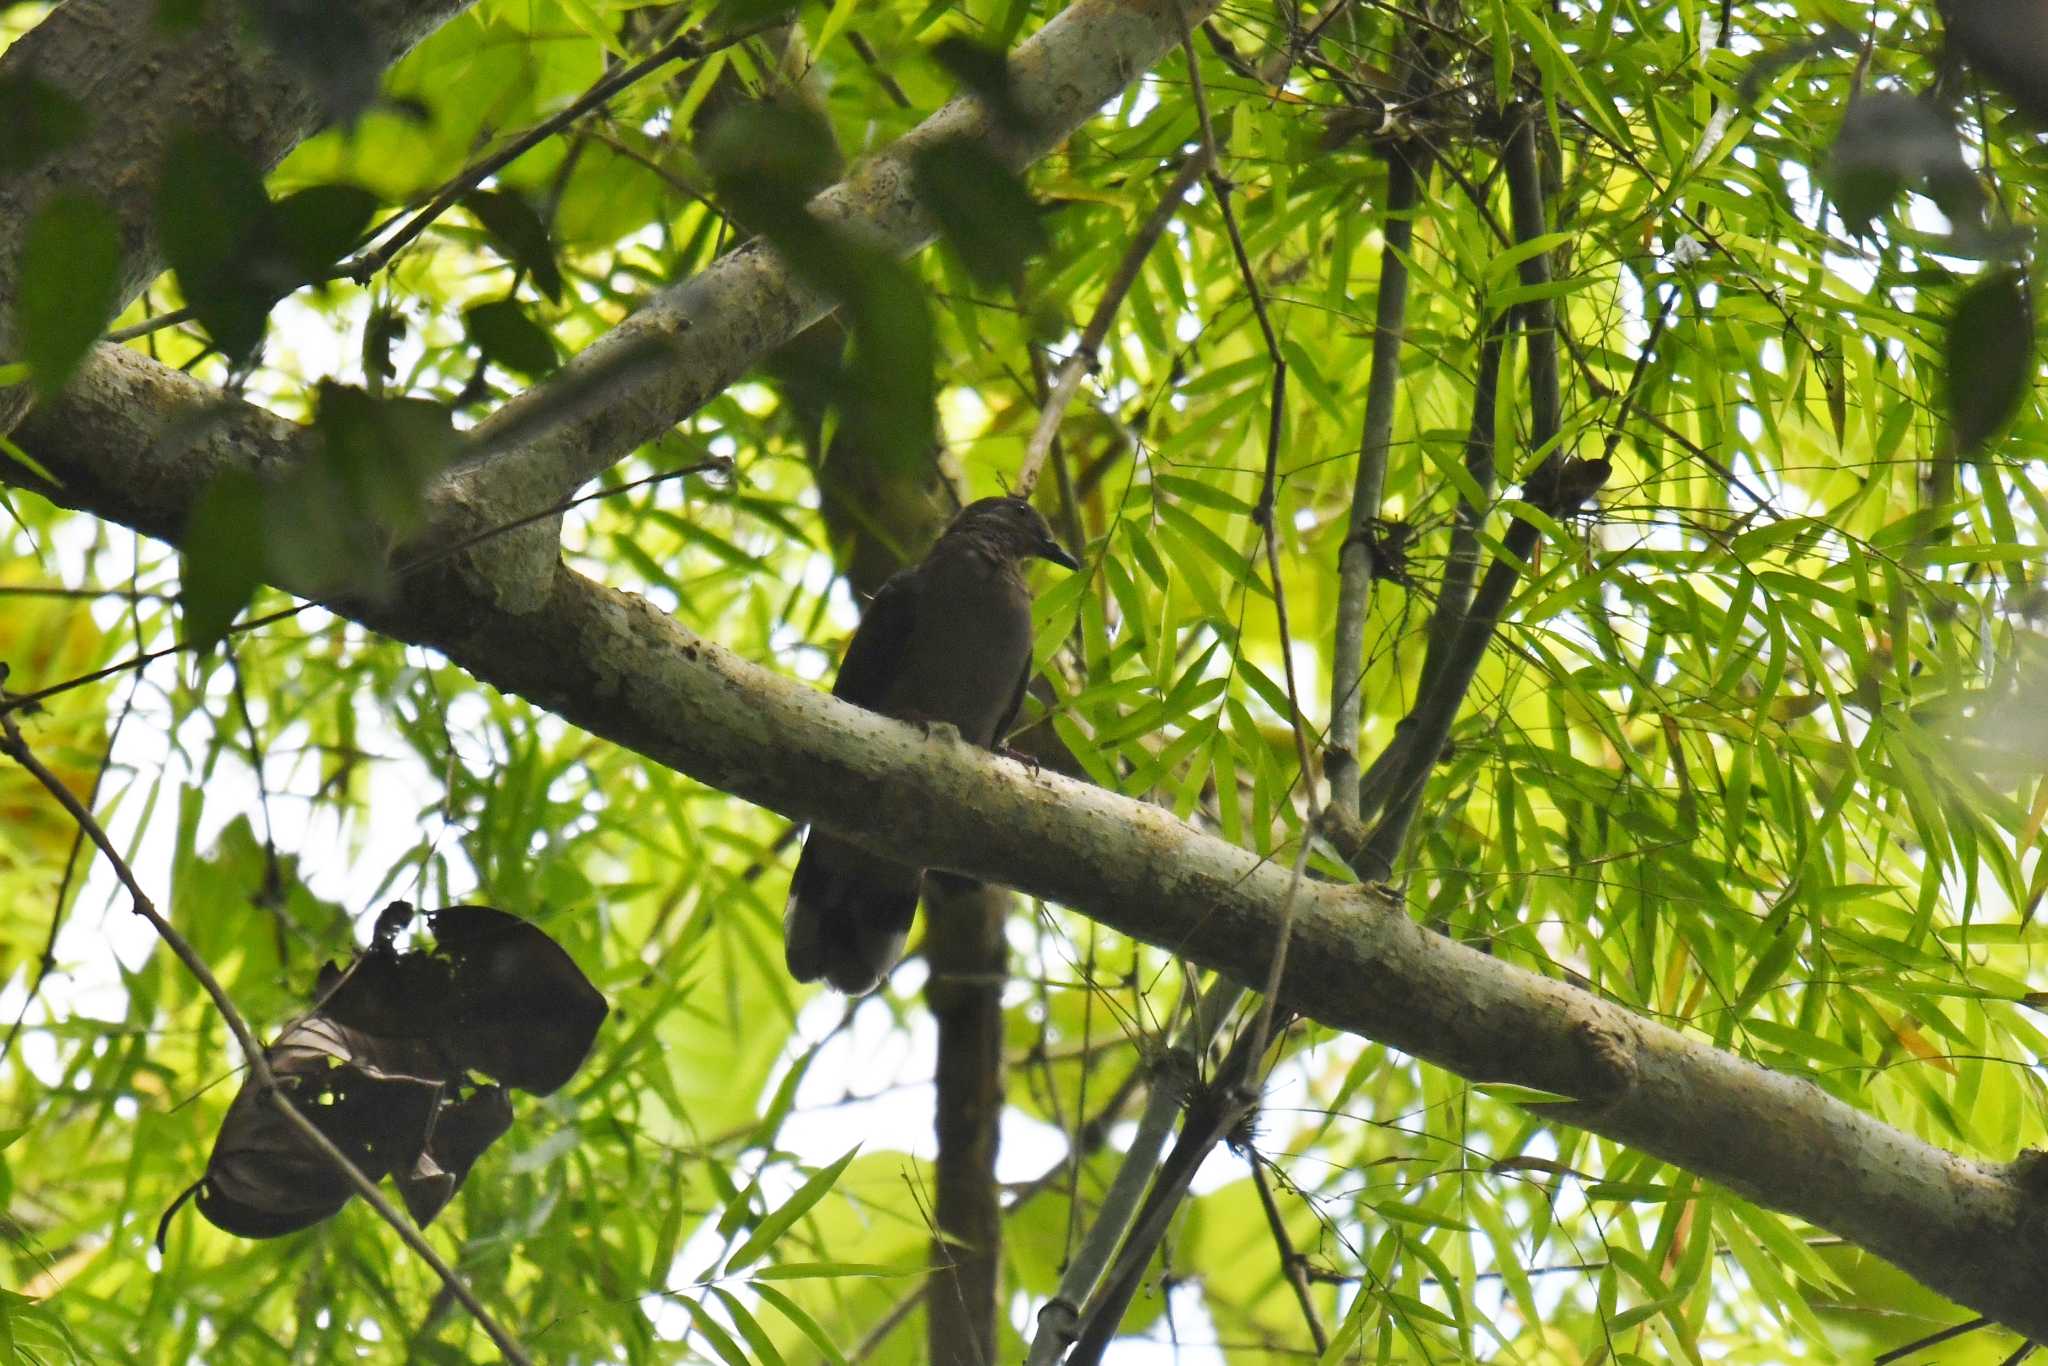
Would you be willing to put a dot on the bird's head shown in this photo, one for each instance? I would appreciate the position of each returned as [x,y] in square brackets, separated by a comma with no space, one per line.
[1011,527]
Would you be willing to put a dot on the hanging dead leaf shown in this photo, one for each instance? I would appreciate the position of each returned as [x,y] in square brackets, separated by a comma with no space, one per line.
[382,1065]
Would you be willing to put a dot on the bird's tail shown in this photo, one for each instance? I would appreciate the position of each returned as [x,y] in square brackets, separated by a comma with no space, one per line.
[848,915]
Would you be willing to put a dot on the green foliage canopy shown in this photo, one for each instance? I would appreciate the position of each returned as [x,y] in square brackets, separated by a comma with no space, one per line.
[1756,752]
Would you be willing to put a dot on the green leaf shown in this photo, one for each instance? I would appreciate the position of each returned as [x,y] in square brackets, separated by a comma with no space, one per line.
[504,334]
[1412,1214]
[213,220]
[1989,357]
[39,119]
[70,274]
[518,233]
[714,1332]
[750,1329]
[223,558]
[807,1271]
[982,209]
[803,1322]
[772,1228]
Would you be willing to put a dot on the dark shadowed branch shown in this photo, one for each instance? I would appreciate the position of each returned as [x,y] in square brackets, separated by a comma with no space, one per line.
[1359,561]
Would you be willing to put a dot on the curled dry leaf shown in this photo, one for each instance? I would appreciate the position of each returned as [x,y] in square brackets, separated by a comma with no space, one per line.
[383,1065]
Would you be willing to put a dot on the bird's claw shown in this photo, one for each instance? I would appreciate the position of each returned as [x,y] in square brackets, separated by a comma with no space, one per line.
[1029,761]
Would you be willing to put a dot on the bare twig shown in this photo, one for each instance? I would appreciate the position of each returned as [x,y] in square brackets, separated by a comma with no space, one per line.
[866,52]
[1461,564]
[1083,358]
[688,46]
[1263,515]
[1539,314]
[1557,488]
[1292,1264]
[148,325]
[16,748]
[362,265]
[889,1323]
[47,960]
[1931,1340]
[1397,773]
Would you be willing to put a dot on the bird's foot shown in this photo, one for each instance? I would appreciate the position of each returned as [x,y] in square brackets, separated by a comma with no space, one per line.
[1029,761]
[945,732]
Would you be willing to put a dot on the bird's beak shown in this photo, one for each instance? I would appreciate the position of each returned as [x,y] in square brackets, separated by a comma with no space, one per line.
[1049,549]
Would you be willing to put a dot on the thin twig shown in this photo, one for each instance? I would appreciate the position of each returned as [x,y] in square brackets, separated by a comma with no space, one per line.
[1213,1115]
[30,590]
[653,168]
[16,748]
[148,325]
[1292,1265]
[689,46]
[1276,68]
[1088,1139]
[47,960]
[888,1323]
[1263,515]
[1083,358]
[866,52]
[273,876]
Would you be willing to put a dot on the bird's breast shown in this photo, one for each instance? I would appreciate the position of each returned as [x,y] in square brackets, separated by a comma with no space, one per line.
[969,648]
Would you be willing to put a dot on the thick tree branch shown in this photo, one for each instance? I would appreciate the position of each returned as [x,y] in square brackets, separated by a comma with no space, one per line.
[617,666]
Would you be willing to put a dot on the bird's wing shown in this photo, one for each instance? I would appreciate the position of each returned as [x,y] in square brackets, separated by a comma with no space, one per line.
[879,643]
